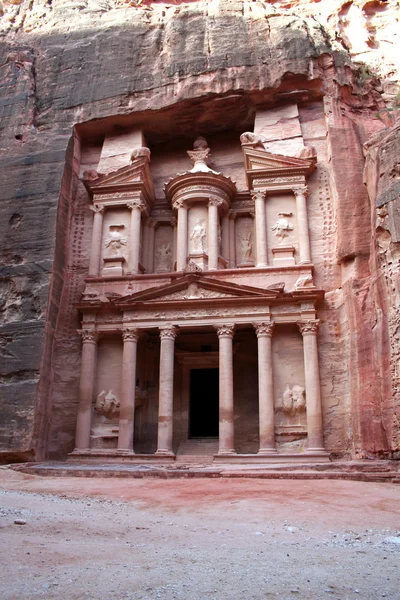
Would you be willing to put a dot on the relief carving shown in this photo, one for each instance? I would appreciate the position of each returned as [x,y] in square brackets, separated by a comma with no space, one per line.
[294,400]
[115,241]
[246,248]
[107,404]
[283,226]
[198,238]
[164,258]
[305,281]
[141,152]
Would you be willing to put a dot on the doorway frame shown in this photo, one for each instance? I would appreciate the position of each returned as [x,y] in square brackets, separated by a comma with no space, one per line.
[187,362]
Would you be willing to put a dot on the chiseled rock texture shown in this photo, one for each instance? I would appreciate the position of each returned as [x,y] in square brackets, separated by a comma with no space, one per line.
[70,62]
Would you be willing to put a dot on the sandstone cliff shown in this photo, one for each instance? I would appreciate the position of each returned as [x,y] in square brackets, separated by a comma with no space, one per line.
[104,63]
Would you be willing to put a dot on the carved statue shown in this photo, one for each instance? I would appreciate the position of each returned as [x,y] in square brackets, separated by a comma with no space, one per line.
[293,400]
[198,237]
[248,137]
[246,248]
[107,404]
[139,152]
[164,256]
[305,281]
[115,241]
[282,226]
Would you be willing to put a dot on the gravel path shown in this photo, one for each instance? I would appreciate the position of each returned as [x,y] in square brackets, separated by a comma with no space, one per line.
[198,539]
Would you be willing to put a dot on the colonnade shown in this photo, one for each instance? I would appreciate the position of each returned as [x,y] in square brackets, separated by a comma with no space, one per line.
[225,332]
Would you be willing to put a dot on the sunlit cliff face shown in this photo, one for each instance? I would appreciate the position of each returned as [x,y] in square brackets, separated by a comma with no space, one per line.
[368,30]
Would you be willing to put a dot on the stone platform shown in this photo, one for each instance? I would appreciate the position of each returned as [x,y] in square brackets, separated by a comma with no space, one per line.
[377,471]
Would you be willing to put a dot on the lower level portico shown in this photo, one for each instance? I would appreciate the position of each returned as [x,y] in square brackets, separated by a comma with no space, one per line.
[239,366]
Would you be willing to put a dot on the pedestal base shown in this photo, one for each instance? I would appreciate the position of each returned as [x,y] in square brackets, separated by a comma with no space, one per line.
[283,256]
[113,266]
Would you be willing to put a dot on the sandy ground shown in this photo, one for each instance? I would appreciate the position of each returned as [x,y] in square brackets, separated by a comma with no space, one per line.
[198,539]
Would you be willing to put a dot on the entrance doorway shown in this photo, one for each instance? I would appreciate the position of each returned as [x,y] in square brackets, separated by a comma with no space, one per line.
[204,403]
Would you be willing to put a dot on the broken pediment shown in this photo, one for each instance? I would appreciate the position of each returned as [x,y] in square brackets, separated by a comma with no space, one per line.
[268,166]
[195,287]
[135,177]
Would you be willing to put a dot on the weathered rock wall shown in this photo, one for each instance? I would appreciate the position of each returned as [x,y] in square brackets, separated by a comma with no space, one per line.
[104,64]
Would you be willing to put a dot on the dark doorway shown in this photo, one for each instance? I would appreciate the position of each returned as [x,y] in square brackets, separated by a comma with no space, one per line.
[204,403]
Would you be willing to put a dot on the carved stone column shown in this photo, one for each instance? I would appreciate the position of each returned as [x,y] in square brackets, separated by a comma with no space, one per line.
[136,207]
[213,250]
[174,223]
[265,388]
[261,228]
[128,390]
[226,411]
[86,389]
[225,238]
[150,248]
[232,240]
[182,235]
[95,251]
[309,330]
[166,391]
[301,193]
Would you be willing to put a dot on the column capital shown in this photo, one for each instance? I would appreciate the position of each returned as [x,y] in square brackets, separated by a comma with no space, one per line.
[89,335]
[177,204]
[169,332]
[136,204]
[213,201]
[130,335]
[258,194]
[301,190]
[97,208]
[225,331]
[308,327]
[264,328]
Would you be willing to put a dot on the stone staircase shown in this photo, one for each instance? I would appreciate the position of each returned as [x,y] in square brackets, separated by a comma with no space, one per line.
[197,451]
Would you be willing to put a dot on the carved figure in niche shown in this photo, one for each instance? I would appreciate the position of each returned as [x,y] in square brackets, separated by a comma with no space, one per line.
[164,257]
[198,237]
[107,404]
[282,226]
[293,400]
[115,240]
[246,247]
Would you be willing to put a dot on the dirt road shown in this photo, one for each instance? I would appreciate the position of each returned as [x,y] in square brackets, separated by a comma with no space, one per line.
[198,539]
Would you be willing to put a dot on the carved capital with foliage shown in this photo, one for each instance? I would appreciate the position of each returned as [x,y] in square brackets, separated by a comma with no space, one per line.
[225,331]
[308,327]
[97,208]
[264,329]
[258,195]
[130,335]
[89,335]
[301,190]
[136,204]
[169,332]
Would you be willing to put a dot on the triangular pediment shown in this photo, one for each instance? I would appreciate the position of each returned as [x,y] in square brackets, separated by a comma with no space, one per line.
[133,177]
[261,160]
[196,288]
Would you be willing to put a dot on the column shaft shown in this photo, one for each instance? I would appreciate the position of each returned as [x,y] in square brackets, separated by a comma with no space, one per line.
[150,259]
[166,391]
[174,223]
[213,235]
[182,238]
[86,390]
[232,241]
[313,389]
[225,238]
[226,408]
[134,240]
[302,224]
[265,388]
[95,252]
[128,391]
[261,228]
